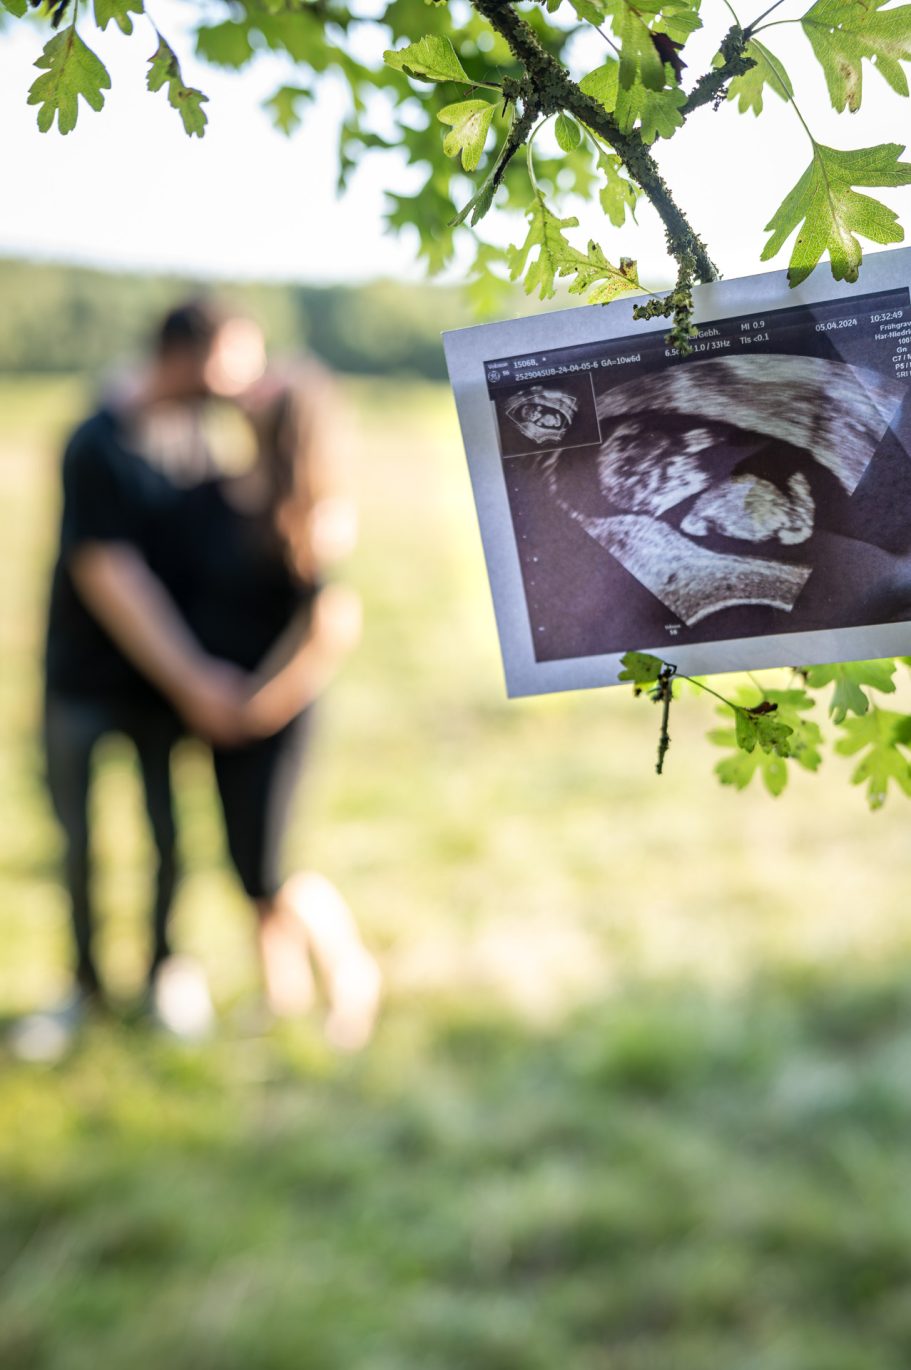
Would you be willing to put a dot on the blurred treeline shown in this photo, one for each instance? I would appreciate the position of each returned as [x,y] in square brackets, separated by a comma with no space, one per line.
[61,318]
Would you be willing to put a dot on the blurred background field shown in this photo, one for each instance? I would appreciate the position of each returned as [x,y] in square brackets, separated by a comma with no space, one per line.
[641,1096]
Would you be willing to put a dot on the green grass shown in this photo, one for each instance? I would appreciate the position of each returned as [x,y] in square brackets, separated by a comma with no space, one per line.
[640,1099]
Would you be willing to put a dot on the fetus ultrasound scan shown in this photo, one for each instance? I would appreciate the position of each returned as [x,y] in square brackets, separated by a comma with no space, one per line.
[756,489]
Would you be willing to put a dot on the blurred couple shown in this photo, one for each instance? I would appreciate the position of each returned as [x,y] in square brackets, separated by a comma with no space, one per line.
[189,601]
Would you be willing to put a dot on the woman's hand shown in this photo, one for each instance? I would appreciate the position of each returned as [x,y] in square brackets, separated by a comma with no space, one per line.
[212,700]
[331,631]
[268,711]
[337,619]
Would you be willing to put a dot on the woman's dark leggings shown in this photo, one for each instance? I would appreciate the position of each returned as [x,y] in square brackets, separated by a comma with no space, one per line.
[72,729]
[256,785]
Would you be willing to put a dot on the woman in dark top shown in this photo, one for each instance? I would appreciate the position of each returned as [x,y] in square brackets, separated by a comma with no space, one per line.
[250,554]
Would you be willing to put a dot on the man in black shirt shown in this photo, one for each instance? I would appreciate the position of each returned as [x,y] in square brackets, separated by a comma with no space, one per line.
[119,657]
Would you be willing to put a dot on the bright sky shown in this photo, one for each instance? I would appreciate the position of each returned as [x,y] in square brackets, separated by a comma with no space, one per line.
[128,189]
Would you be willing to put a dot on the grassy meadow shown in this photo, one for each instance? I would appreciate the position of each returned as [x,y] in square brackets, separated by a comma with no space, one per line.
[641,1095]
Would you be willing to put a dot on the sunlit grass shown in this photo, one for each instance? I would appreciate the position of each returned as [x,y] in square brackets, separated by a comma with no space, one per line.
[640,1096]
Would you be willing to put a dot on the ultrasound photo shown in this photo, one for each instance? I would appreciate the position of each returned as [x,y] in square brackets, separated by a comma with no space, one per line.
[746,505]
[537,415]
[724,498]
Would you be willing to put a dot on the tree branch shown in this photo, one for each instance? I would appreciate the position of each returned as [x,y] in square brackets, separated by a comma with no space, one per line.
[549,84]
[518,134]
[711,86]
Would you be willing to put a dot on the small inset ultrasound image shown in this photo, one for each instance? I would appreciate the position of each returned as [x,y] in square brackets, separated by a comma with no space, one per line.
[537,416]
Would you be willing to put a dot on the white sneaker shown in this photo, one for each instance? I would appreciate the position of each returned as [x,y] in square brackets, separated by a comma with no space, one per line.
[47,1036]
[181,1003]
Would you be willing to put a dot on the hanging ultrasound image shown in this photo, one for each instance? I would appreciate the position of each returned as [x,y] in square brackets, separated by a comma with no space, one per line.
[758,488]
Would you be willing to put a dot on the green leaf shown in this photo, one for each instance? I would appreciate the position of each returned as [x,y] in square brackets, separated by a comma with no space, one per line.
[545,232]
[429,210]
[658,113]
[70,69]
[295,30]
[558,257]
[768,71]
[805,738]
[881,733]
[762,741]
[641,668]
[164,71]
[595,273]
[16,7]
[618,196]
[487,289]
[470,124]
[284,106]
[478,205]
[119,11]
[848,677]
[642,28]
[828,211]
[764,730]
[225,45]
[844,32]
[602,84]
[639,58]
[429,59]
[482,199]
[568,133]
[739,769]
[589,12]
[678,21]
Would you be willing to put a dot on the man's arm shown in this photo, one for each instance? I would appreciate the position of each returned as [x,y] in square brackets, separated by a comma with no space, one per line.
[119,589]
[304,660]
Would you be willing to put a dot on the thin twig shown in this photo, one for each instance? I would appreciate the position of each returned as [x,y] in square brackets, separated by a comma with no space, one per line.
[608,40]
[666,695]
[750,28]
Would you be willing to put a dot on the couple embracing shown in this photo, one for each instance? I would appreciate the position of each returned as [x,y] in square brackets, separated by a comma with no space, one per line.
[188,601]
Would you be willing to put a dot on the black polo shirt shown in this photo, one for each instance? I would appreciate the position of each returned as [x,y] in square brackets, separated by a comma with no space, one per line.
[111,494]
